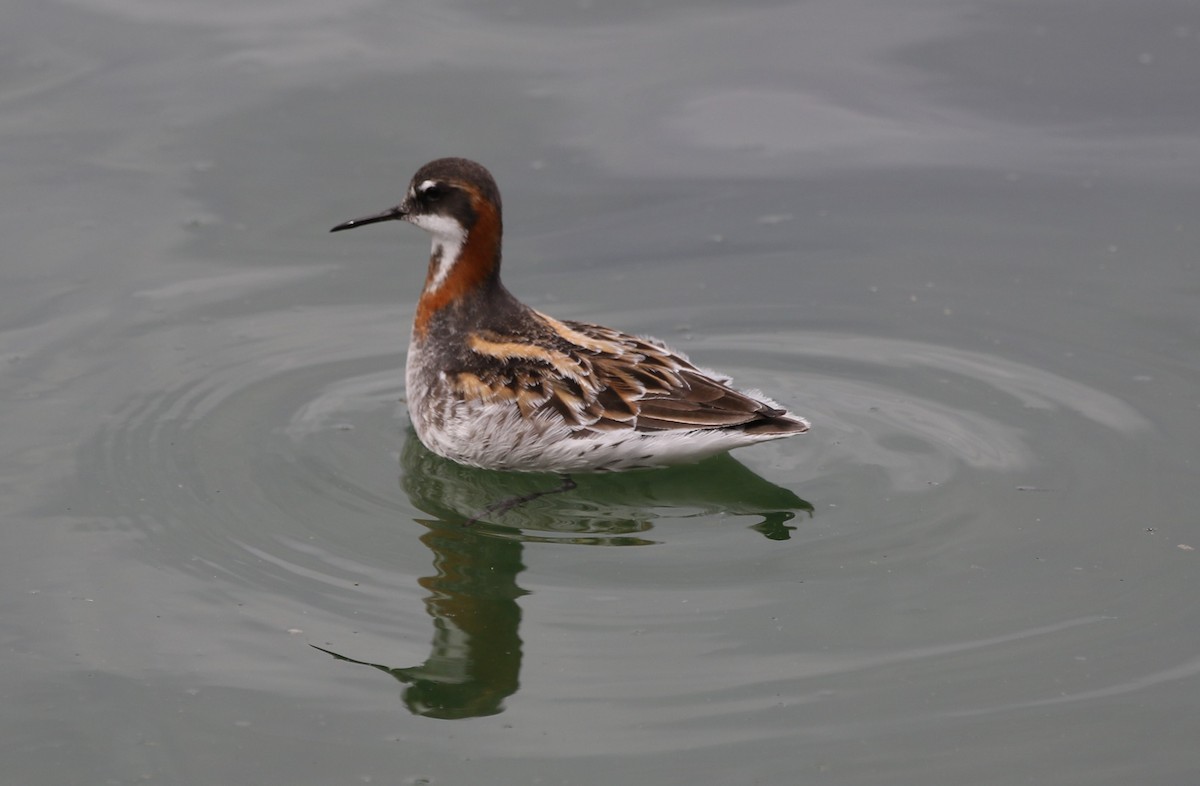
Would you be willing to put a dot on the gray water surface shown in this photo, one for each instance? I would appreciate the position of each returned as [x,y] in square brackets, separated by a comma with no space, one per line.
[960,237]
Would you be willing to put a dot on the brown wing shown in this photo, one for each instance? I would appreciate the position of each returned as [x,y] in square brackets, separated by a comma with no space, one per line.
[596,378]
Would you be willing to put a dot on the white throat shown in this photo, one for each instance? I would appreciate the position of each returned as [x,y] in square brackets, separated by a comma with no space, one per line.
[448,240]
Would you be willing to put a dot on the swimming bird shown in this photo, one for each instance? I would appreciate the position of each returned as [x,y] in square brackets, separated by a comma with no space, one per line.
[493,383]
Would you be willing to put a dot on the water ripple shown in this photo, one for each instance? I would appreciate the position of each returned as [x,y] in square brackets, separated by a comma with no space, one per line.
[282,465]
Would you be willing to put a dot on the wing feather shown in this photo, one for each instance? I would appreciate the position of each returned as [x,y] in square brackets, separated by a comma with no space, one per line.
[595,378]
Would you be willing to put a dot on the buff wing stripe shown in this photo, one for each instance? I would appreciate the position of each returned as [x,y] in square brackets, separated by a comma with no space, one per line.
[599,379]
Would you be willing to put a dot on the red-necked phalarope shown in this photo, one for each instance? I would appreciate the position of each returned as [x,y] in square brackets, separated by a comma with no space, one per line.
[493,383]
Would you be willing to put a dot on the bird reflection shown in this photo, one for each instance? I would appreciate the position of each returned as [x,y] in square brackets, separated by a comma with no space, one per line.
[475,658]
[615,509]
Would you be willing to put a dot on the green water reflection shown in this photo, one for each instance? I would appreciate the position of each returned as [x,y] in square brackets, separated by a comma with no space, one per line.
[475,657]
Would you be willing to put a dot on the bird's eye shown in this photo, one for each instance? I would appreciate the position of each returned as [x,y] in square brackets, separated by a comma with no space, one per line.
[433,192]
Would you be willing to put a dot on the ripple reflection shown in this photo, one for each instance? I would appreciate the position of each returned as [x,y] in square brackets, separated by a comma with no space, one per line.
[285,468]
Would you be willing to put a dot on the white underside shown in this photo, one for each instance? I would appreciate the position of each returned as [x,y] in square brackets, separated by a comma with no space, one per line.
[496,436]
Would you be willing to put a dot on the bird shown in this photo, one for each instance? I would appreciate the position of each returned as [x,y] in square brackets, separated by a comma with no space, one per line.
[495,384]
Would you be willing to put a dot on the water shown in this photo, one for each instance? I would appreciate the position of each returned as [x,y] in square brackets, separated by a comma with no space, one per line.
[961,239]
